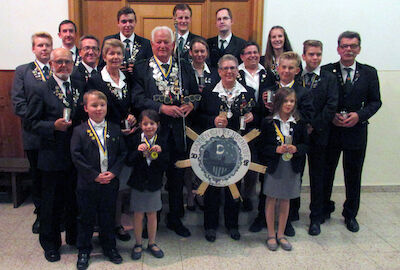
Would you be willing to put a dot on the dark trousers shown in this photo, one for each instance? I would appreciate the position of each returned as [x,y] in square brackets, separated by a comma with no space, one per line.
[36,178]
[99,201]
[353,161]
[175,183]
[212,202]
[316,165]
[58,198]
[261,200]
[295,203]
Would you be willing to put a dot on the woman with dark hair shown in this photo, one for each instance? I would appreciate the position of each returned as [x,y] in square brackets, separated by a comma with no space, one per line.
[278,43]
[282,147]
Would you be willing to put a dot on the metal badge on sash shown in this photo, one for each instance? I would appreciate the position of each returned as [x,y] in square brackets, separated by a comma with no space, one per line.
[288,141]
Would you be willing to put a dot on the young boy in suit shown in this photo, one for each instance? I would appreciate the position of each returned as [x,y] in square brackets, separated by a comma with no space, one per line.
[98,152]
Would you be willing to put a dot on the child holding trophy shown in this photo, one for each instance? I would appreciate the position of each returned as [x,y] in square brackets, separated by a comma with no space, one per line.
[149,160]
[283,144]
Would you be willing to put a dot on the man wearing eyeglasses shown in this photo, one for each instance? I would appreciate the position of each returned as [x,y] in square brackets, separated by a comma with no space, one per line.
[225,42]
[89,52]
[53,110]
[359,99]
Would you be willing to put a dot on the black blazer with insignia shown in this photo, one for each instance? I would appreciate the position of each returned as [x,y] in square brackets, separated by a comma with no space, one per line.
[145,88]
[143,176]
[24,85]
[267,143]
[325,100]
[117,109]
[44,108]
[234,47]
[144,49]
[86,157]
[185,53]
[364,99]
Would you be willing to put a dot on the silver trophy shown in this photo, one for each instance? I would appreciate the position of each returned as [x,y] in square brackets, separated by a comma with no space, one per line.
[67,114]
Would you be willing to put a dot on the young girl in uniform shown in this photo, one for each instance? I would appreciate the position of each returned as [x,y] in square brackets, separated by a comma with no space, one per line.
[283,144]
[149,159]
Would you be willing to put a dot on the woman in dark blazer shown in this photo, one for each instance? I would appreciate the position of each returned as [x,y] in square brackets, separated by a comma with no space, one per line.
[223,107]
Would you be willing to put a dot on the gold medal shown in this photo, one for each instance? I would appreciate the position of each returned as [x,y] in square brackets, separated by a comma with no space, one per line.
[154,155]
[287,156]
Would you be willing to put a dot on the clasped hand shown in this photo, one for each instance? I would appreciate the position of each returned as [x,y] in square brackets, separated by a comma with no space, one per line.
[104,177]
[286,148]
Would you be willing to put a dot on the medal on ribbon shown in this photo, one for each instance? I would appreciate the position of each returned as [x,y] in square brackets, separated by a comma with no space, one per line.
[153,155]
[101,146]
[284,140]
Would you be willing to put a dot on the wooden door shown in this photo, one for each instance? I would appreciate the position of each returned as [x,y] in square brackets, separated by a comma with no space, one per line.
[99,17]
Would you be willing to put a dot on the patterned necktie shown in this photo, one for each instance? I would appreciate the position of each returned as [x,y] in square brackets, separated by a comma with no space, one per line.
[46,72]
[165,67]
[127,49]
[94,71]
[180,46]
[68,94]
[348,84]
[309,79]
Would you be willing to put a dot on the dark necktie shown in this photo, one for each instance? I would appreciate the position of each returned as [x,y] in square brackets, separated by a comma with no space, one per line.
[347,84]
[180,46]
[94,71]
[46,72]
[127,49]
[309,79]
[165,67]
[222,48]
[68,94]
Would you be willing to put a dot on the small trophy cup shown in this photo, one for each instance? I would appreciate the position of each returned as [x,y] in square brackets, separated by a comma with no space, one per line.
[67,114]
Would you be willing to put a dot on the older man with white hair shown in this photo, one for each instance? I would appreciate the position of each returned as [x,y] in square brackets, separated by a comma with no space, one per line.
[53,109]
[157,87]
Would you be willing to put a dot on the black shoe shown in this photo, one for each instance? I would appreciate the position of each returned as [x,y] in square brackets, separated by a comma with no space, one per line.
[235,234]
[314,229]
[179,229]
[257,225]
[210,235]
[52,255]
[136,255]
[83,261]
[156,253]
[113,256]
[289,230]
[247,205]
[122,234]
[36,226]
[352,224]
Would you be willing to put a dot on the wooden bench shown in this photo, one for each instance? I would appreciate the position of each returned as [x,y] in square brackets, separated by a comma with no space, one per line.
[13,166]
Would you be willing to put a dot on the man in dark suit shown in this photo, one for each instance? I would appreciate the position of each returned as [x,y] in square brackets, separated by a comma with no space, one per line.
[67,34]
[27,78]
[359,99]
[157,87]
[47,113]
[323,87]
[89,52]
[136,47]
[182,19]
[225,42]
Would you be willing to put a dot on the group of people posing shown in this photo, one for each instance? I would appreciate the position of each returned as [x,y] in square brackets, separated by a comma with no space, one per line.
[91,115]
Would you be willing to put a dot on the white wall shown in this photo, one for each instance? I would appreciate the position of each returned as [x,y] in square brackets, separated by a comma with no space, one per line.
[378,23]
[19,19]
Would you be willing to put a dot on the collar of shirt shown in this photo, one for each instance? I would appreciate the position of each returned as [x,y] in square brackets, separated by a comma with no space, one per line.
[284,126]
[287,85]
[107,78]
[228,39]
[278,117]
[205,68]
[151,140]
[61,83]
[161,62]
[88,68]
[315,71]
[131,38]
[242,67]
[185,37]
[344,72]
[236,91]
[41,65]
[101,125]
